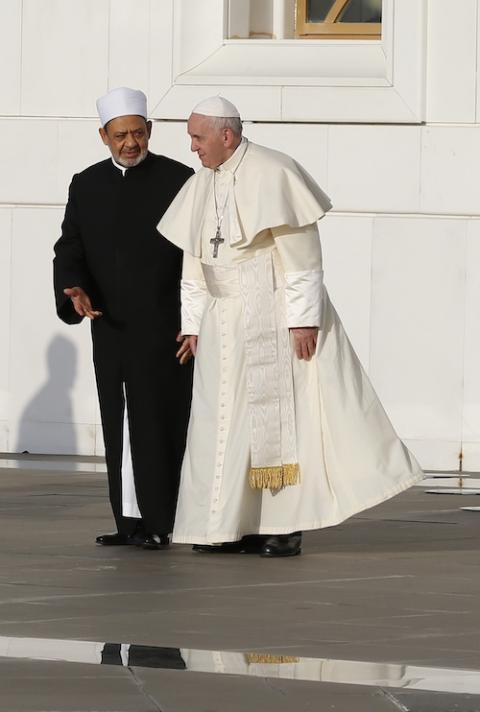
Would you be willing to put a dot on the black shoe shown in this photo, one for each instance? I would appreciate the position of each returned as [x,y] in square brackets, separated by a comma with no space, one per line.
[249,544]
[229,547]
[116,539]
[253,543]
[155,541]
[283,545]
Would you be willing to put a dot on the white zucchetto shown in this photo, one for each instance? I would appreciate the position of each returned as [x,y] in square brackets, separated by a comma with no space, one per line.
[121,101]
[217,106]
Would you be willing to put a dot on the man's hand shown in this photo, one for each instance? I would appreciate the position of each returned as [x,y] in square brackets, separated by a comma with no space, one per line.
[81,302]
[187,349]
[305,341]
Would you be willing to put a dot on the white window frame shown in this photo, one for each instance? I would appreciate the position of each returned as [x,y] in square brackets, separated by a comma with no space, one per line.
[357,81]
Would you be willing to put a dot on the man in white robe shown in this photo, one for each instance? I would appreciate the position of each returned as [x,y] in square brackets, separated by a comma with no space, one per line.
[286,432]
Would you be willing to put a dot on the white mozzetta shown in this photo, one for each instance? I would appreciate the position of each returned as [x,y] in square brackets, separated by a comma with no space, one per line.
[374,168]
[452,72]
[417,325]
[450,170]
[11,56]
[347,259]
[320,80]
[51,378]
[64,56]
[471,387]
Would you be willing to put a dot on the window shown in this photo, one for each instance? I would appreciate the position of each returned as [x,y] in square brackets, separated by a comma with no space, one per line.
[261,19]
[218,48]
[339,19]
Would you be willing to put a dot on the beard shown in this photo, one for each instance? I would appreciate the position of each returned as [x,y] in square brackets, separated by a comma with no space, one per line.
[132,162]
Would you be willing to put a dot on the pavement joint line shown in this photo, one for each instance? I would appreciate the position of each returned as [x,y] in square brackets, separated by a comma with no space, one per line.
[141,688]
[158,592]
[416,521]
[66,494]
[22,621]
[396,703]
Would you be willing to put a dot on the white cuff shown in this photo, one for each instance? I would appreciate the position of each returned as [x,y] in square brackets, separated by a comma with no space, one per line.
[193,295]
[304,298]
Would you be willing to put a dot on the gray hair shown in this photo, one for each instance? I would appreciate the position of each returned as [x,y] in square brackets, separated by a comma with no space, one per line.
[232,123]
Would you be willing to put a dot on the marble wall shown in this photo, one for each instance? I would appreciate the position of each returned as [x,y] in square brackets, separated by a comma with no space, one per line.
[401,247]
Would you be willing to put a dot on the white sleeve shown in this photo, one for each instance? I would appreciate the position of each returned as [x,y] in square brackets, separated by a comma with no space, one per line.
[301,256]
[193,295]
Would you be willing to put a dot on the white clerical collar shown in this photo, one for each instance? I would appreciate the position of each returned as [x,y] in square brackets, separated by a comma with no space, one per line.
[117,165]
[232,163]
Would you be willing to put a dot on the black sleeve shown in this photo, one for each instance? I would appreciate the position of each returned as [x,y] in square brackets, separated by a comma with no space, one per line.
[69,266]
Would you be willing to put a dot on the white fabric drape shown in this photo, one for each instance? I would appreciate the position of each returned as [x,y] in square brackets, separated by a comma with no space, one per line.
[349,455]
[129,497]
[194,295]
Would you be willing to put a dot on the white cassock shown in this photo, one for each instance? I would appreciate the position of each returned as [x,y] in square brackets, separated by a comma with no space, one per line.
[311,436]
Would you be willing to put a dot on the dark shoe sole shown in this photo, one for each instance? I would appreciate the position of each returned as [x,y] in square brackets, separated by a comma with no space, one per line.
[206,549]
[127,542]
[278,555]
[154,547]
[148,542]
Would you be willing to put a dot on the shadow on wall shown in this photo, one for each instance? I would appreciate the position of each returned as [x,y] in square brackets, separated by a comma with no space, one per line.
[46,423]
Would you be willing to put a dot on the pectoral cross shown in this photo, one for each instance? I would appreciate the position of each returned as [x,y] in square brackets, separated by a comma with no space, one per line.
[216,241]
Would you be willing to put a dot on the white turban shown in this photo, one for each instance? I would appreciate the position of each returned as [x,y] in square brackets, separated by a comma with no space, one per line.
[217,106]
[121,102]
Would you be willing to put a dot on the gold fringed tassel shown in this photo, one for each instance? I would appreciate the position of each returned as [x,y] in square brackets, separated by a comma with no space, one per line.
[252,658]
[274,477]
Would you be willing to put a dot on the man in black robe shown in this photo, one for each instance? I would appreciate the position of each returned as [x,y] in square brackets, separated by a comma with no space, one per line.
[111,266]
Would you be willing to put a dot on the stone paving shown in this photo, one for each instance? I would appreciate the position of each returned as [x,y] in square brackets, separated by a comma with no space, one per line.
[377,615]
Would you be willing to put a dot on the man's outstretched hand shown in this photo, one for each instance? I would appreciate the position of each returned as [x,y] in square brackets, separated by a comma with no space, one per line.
[81,302]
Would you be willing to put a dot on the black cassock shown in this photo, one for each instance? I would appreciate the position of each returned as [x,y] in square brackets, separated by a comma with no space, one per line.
[111,248]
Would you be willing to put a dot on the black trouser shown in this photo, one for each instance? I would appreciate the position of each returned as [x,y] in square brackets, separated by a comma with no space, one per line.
[158,401]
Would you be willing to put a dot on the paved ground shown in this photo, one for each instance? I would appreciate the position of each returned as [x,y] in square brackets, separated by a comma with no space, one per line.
[379,614]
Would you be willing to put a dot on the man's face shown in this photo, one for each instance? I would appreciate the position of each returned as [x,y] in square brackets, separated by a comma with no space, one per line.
[213,145]
[127,138]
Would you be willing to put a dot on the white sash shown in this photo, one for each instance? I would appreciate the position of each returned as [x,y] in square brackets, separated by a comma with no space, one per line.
[268,357]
